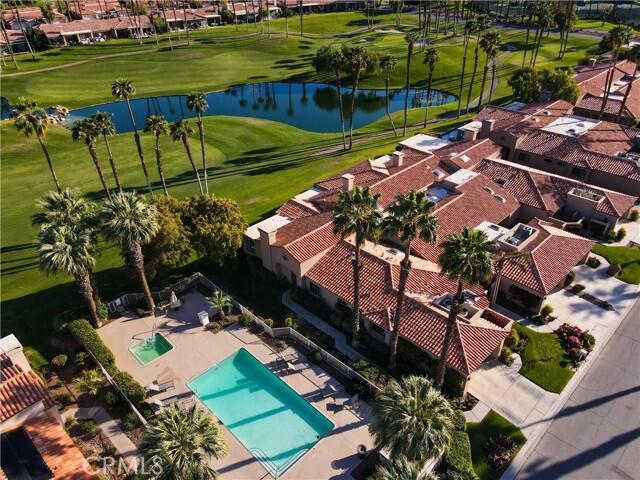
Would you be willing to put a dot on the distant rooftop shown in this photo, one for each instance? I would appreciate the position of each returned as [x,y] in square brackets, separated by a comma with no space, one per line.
[571,125]
[424,143]
[491,230]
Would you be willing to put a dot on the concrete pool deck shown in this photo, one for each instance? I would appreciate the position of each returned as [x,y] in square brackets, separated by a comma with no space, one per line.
[196,350]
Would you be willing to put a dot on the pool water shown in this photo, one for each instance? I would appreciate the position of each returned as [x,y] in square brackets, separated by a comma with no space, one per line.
[149,349]
[270,419]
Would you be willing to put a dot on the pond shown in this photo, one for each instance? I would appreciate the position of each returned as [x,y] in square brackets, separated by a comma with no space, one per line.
[308,106]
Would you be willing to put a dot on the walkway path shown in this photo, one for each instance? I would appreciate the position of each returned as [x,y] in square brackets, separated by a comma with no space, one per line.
[123,445]
[340,338]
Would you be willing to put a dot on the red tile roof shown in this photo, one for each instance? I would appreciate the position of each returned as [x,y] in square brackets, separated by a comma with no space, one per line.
[553,253]
[21,390]
[306,237]
[294,209]
[473,152]
[503,117]
[610,138]
[363,173]
[594,104]
[54,30]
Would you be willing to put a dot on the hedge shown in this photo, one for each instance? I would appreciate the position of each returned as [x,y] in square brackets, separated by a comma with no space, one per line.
[83,333]
[457,459]
[459,422]
[131,389]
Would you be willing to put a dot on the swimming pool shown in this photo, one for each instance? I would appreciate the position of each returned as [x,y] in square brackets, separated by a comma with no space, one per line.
[271,420]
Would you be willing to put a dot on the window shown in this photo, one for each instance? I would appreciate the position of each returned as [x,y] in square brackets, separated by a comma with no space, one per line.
[578,172]
[377,329]
[561,164]
[547,160]
[523,157]
[315,289]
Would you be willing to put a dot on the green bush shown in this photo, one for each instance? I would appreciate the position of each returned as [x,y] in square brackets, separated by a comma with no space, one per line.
[245,320]
[61,321]
[577,288]
[588,341]
[568,280]
[546,311]
[614,269]
[513,340]
[454,381]
[268,322]
[111,398]
[620,234]
[611,235]
[59,361]
[315,357]
[213,327]
[81,359]
[102,310]
[593,262]
[88,427]
[635,214]
[128,385]
[35,358]
[140,312]
[130,421]
[459,422]
[63,399]
[506,356]
[83,333]
[457,459]
[290,322]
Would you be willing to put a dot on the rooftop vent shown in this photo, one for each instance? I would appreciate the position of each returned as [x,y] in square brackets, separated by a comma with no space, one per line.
[439,174]
[500,198]
[487,189]
[464,158]
[547,112]
[502,181]
[452,154]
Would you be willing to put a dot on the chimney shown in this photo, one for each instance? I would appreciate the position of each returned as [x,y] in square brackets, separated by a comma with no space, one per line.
[397,159]
[545,96]
[486,128]
[347,182]
[267,238]
[470,133]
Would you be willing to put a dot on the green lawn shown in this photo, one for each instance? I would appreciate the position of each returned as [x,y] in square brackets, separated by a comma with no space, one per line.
[479,434]
[544,361]
[627,257]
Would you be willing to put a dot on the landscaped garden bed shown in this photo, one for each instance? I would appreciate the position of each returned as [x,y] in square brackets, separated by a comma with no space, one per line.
[628,258]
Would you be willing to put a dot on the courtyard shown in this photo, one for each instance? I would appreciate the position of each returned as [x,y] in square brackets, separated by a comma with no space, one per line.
[195,350]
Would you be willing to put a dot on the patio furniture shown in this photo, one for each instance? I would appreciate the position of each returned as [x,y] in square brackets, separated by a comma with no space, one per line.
[203,317]
[343,402]
[158,404]
[293,368]
[160,387]
[174,301]
[329,391]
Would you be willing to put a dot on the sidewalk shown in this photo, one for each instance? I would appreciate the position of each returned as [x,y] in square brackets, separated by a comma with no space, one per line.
[307,316]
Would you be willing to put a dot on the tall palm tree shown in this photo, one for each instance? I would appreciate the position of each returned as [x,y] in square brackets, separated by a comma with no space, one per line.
[157,125]
[86,131]
[181,442]
[530,12]
[356,213]
[7,42]
[127,219]
[502,258]
[411,39]
[411,418]
[400,468]
[123,89]
[105,126]
[543,14]
[357,59]
[331,61]
[180,130]
[197,102]
[490,44]
[430,60]
[30,119]
[388,63]
[68,249]
[466,258]
[469,28]
[633,56]
[617,38]
[481,23]
[408,217]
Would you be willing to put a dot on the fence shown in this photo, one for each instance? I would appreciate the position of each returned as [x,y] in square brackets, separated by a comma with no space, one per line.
[283,332]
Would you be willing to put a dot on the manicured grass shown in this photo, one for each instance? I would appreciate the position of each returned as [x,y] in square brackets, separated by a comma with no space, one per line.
[544,361]
[479,434]
[627,257]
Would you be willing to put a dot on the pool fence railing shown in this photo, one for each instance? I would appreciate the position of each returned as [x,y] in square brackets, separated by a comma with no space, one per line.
[163,297]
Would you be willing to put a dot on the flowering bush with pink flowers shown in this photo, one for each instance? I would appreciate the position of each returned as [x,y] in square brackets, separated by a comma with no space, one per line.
[574,339]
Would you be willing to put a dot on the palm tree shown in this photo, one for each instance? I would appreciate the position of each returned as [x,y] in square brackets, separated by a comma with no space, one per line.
[197,102]
[180,130]
[69,249]
[86,131]
[411,418]
[543,13]
[331,61]
[127,219]
[411,39]
[408,218]
[157,125]
[616,38]
[181,442]
[481,23]
[430,60]
[529,11]
[399,468]
[357,59]
[30,119]
[469,28]
[123,89]
[490,44]
[7,42]
[633,56]
[564,18]
[466,258]
[501,258]
[105,126]
[356,213]
[221,302]
[90,381]
[388,63]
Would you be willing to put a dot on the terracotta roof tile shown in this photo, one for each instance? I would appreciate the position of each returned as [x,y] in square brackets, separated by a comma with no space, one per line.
[20,391]
[467,153]
[294,210]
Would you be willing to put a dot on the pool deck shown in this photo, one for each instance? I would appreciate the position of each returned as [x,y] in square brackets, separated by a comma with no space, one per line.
[196,350]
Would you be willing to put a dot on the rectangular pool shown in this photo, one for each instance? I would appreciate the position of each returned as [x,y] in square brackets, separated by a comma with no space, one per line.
[271,420]
[149,349]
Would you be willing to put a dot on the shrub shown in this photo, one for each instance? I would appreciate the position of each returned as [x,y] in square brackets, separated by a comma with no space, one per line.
[102,310]
[280,345]
[500,448]
[90,381]
[457,459]
[620,234]
[129,387]
[614,269]
[81,359]
[111,398]
[59,361]
[370,371]
[506,356]
[546,311]
[61,321]
[513,340]
[63,399]
[245,320]
[568,280]
[88,427]
[130,421]
[290,323]
[454,381]
[268,322]
[577,288]
[315,357]
[634,215]
[459,422]
[140,312]
[588,341]
[35,358]
[572,341]
[213,327]
[86,336]
[594,262]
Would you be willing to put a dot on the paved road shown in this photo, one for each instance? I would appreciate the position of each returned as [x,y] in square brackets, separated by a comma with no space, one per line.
[596,435]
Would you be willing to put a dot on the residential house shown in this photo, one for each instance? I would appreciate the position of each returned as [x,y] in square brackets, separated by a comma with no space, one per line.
[81,30]
[29,17]
[16,40]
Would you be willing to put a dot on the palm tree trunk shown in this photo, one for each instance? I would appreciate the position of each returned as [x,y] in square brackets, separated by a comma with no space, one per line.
[473,75]
[94,156]
[464,65]
[493,78]
[175,19]
[95,292]
[137,260]
[626,94]
[526,41]
[484,81]
[24,33]
[341,107]
[405,268]
[386,91]
[159,162]
[448,336]
[164,15]
[186,25]
[204,158]
[84,285]
[112,162]
[50,163]
[301,18]
[136,137]
[407,85]
[286,28]
[607,84]
[496,286]
[354,90]
[426,109]
[356,296]
[6,39]
[187,147]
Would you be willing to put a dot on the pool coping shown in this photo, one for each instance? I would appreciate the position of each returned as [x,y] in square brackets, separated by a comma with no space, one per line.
[158,357]
[263,464]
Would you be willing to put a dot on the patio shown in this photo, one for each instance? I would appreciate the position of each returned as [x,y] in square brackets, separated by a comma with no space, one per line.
[195,350]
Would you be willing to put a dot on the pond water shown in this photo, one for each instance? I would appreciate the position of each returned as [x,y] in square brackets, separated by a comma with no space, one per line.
[309,106]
